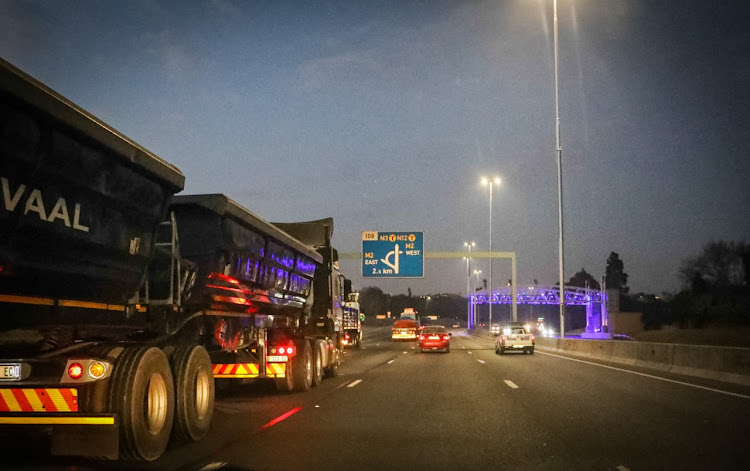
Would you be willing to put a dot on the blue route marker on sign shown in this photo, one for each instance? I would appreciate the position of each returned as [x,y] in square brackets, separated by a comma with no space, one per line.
[392,254]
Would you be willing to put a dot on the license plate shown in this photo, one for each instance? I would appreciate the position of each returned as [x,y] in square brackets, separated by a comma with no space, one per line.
[434,337]
[12,371]
[517,346]
[277,358]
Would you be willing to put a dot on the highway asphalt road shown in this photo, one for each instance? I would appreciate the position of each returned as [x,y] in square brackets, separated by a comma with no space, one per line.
[393,408]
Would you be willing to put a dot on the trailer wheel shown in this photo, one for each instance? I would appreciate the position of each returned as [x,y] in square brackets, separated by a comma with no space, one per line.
[142,393]
[358,340]
[194,392]
[286,384]
[302,371]
[333,370]
[318,353]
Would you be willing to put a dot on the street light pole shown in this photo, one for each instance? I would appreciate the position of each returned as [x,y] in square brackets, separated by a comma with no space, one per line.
[468,245]
[558,148]
[486,181]
[474,290]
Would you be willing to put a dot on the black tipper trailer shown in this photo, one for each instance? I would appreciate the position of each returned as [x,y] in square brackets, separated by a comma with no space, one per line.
[248,267]
[81,204]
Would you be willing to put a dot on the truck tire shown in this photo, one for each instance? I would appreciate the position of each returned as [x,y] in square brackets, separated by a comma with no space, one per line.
[333,368]
[302,371]
[142,393]
[194,392]
[286,384]
[318,356]
[358,340]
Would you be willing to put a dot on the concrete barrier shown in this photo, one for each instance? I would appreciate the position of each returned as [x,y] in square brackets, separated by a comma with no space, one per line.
[728,364]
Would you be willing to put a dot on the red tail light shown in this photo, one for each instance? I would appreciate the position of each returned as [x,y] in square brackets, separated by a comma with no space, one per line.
[502,337]
[533,337]
[75,370]
[421,337]
[289,350]
[445,337]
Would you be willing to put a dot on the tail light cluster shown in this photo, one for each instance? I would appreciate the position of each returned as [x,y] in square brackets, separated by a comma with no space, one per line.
[288,350]
[533,337]
[86,370]
[442,336]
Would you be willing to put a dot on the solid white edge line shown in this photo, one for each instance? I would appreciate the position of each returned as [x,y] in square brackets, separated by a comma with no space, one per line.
[354,383]
[697,386]
[511,384]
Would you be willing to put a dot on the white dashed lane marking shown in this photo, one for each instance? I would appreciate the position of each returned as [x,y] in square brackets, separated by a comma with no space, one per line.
[511,384]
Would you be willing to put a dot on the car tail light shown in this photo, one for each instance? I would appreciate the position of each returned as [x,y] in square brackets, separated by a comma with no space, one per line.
[502,337]
[445,337]
[533,337]
[75,371]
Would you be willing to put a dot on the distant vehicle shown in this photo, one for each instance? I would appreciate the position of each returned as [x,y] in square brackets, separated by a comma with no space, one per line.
[352,322]
[404,329]
[540,325]
[407,326]
[517,337]
[456,325]
[495,329]
[434,337]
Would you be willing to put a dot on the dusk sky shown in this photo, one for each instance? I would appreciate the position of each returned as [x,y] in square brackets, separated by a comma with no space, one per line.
[386,114]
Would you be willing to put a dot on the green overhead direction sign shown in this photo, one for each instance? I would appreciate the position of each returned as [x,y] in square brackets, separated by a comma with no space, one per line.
[392,254]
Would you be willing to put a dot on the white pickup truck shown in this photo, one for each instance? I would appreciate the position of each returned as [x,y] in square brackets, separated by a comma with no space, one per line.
[515,336]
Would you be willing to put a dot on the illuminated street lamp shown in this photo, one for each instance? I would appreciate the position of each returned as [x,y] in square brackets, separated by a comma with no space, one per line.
[490,182]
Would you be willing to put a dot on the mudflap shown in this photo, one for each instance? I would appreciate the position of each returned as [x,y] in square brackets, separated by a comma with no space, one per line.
[100,441]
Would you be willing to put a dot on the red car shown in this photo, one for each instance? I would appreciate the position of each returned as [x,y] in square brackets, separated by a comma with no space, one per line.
[434,337]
